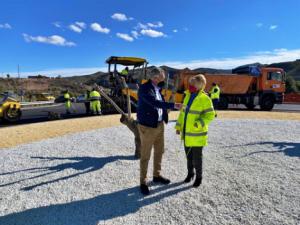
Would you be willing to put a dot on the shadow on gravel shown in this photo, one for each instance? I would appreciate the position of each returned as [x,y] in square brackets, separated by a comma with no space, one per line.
[288,148]
[94,210]
[81,164]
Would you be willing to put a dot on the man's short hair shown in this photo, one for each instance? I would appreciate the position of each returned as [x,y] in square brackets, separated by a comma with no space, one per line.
[156,71]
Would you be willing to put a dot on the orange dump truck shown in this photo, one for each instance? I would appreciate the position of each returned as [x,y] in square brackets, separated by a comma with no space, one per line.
[248,86]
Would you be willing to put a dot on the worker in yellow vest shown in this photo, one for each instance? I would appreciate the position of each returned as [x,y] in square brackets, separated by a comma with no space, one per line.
[214,94]
[125,73]
[95,102]
[67,99]
[195,116]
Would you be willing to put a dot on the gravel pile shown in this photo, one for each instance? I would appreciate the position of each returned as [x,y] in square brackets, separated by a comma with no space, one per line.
[251,176]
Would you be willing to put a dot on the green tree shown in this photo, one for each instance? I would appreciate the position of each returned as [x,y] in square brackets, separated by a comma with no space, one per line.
[298,85]
[291,85]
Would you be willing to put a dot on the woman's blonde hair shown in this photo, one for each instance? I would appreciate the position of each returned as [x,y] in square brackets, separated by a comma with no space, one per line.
[199,81]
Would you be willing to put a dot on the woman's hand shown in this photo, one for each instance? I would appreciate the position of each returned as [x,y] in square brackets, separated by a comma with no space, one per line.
[177,132]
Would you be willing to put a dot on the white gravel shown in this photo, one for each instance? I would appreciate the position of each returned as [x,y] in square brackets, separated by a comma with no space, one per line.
[251,176]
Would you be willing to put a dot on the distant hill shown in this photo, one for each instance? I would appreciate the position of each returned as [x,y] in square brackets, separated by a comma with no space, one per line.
[291,68]
[212,71]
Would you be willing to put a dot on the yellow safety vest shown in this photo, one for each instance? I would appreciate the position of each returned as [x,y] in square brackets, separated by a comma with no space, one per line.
[200,114]
[67,96]
[124,72]
[215,92]
[94,95]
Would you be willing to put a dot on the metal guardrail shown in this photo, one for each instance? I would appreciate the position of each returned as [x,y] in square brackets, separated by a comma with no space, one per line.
[33,105]
[36,103]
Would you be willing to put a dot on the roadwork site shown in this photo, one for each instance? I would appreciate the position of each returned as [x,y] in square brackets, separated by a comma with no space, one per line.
[82,172]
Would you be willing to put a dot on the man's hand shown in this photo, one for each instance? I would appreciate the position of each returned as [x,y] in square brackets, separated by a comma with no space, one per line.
[177,132]
[178,106]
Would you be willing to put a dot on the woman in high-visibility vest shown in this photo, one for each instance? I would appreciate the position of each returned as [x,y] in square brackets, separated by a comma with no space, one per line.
[196,114]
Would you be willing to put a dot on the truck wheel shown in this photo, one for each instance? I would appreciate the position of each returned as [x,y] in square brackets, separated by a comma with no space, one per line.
[267,103]
[223,103]
[250,106]
[12,115]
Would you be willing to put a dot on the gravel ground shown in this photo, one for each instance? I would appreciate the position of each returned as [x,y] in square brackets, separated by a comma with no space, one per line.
[251,176]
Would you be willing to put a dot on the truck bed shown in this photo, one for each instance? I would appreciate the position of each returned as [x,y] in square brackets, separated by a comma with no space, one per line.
[230,84]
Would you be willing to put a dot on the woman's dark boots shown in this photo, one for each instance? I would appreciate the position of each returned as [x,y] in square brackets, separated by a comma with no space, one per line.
[188,178]
[197,182]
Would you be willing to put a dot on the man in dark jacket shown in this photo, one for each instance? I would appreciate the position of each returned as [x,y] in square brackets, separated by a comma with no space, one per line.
[151,115]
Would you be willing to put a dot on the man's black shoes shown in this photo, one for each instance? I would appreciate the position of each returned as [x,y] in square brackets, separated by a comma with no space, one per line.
[188,178]
[144,189]
[197,182]
[161,180]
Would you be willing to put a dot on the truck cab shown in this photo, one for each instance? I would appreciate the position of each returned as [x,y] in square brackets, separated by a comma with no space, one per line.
[271,83]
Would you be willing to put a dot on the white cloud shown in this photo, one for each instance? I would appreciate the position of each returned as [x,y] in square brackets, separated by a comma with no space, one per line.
[141,26]
[57,24]
[155,25]
[53,40]
[259,25]
[125,37]
[175,30]
[98,28]
[135,34]
[5,26]
[75,28]
[264,57]
[152,33]
[121,17]
[273,27]
[82,25]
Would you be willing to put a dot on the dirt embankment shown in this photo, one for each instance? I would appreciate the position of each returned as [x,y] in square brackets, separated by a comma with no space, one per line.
[16,135]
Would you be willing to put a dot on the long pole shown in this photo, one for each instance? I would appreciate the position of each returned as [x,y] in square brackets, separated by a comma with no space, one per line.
[110,100]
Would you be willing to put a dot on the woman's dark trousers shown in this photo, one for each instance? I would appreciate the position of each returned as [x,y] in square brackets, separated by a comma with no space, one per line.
[194,160]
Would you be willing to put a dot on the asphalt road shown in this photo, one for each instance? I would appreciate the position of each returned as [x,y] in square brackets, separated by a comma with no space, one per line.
[40,114]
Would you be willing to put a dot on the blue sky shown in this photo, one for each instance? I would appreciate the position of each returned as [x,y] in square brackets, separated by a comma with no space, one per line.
[75,36]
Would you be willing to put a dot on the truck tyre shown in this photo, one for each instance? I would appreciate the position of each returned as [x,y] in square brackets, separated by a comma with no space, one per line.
[267,103]
[223,103]
[12,115]
[250,106]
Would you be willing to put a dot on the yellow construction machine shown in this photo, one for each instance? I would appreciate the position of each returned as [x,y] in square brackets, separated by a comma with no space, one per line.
[123,86]
[44,97]
[10,108]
